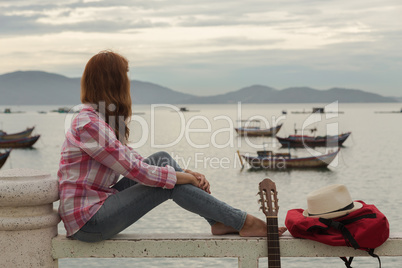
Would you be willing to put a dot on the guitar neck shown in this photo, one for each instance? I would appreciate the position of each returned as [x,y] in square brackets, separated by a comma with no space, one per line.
[274,256]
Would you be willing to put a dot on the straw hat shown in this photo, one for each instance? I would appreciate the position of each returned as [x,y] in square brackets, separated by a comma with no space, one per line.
[330,202]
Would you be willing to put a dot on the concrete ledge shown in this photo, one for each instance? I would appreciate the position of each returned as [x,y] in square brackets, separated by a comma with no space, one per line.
[246,249]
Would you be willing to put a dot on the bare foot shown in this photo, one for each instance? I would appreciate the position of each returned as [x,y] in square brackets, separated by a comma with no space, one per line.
[253,227]
[221,229]
[256,227]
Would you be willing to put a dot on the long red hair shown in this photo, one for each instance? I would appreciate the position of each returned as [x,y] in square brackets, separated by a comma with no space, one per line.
[105,84]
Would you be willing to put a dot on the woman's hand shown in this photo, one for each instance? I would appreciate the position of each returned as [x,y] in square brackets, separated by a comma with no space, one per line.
[203,183]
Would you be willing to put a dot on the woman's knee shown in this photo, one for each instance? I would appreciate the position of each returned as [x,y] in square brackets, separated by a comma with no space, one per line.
[161,159]
[163,154]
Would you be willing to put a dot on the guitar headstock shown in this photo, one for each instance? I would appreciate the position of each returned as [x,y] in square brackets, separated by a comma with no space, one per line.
[268,197]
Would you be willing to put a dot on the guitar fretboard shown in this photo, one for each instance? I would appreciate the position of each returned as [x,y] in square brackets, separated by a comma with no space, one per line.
[274,256]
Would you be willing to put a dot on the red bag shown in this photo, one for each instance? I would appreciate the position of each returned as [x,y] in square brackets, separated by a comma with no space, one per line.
[365,228]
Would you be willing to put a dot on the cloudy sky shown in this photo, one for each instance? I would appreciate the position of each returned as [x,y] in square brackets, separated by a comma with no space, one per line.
[206,47]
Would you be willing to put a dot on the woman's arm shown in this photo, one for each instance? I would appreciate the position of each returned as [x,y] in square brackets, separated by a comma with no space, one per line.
[186,178]
[194,178]
[98,140]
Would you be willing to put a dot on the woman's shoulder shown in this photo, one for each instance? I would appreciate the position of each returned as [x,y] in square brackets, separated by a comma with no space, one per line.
[87,116]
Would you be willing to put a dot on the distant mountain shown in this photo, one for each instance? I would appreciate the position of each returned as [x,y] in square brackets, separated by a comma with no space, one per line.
[148,93]
[36,88]
[253,94]
[264,94]
[399,99]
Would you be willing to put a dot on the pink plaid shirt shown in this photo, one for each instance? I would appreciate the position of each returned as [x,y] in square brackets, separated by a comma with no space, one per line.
[92,159]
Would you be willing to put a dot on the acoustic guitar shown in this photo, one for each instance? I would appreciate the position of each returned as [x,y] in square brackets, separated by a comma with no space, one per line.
[269,206]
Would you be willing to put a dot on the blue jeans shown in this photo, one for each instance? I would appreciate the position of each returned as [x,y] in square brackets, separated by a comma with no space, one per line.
[134,200]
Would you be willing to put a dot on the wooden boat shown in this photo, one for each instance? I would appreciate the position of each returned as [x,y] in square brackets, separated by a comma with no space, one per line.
[19,143]
[3,157]
[185,109]
[62,110]
[65,110]
[13,136]
[8,111]
[301,141]
[255,130]
[389,112]
[317,110]
[280,161]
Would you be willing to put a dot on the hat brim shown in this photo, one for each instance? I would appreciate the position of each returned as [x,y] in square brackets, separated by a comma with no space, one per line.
[356,206]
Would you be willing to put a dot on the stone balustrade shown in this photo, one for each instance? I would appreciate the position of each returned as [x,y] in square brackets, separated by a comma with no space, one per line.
[28,234]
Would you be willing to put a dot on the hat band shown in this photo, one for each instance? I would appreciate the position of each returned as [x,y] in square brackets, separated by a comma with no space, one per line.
[350,206]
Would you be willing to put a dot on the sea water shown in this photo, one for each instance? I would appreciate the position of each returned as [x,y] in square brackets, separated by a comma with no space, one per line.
[203,139]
